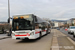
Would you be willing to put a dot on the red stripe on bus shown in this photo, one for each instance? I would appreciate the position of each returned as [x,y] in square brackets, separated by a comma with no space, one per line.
[37,32]
[20,35]
[23,35]
[44,30]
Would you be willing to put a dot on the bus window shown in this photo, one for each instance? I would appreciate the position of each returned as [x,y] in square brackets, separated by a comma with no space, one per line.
[36,26]
[22,24]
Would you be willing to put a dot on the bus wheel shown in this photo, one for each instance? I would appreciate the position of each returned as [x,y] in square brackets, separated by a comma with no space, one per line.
[74,36]
[40,35]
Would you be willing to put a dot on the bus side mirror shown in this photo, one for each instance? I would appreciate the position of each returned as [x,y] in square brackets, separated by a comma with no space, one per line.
[8,20]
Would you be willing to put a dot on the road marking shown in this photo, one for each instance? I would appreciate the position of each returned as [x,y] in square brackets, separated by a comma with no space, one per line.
[55,45]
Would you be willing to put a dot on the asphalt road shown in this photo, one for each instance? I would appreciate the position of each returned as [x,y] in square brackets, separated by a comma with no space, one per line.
[65,32]
[56,39]
[64,42]
[40,44]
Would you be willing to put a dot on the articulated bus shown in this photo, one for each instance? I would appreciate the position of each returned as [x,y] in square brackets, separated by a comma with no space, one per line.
[29,27]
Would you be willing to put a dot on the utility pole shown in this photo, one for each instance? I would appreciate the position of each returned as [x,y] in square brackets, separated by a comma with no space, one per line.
[9,10]
[9,34]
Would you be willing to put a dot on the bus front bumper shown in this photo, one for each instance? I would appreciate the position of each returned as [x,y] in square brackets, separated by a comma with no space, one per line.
[23,37]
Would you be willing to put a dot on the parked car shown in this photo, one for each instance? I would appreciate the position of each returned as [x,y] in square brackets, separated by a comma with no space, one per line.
[71,30]
[66,29]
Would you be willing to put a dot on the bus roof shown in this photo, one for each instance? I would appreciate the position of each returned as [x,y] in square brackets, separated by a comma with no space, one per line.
[23,15]
[39,20]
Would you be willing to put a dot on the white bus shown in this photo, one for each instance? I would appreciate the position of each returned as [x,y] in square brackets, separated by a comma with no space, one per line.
[29,27]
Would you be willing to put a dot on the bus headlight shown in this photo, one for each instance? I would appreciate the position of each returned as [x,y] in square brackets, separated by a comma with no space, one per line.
[32,33]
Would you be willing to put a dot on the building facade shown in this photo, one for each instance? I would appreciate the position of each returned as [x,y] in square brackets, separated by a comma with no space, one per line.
[71,22]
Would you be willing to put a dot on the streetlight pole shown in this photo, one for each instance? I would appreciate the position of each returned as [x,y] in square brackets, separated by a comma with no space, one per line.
[9,34]
[9,10]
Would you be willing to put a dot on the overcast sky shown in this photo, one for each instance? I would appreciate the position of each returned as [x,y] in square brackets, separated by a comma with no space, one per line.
[52,9]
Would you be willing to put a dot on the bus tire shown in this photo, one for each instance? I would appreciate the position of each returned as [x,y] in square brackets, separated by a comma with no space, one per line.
[40,35]
[74,36]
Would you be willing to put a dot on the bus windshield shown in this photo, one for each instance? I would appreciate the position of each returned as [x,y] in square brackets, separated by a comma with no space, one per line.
[22,24]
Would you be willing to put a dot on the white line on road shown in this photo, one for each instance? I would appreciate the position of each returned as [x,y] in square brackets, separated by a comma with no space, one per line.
[55,45]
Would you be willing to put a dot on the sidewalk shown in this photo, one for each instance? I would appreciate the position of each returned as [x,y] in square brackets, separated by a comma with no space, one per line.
[61,41]
[4,36]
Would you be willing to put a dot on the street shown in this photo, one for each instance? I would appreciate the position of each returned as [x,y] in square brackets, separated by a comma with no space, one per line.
[40,44]
[56,40]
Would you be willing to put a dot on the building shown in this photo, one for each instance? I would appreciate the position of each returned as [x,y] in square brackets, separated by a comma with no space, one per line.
[57,23]
[71,22]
